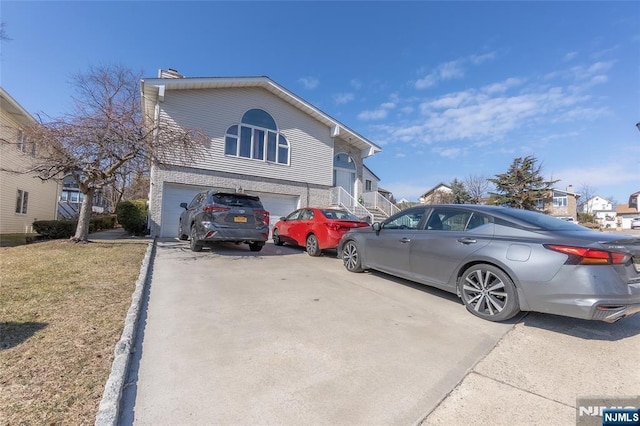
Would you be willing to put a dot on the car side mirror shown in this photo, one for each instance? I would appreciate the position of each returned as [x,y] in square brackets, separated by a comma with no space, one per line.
[376,227]
[183,205]
[283,218]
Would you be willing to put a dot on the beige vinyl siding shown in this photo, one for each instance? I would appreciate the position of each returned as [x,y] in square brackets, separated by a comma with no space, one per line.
[214,111]
[43,196]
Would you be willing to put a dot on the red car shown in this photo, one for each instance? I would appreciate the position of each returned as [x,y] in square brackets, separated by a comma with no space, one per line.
[314,228]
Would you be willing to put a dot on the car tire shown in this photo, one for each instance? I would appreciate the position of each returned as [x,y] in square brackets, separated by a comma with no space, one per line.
[193,241]
[351,257]
[313,249]
[256,246]
[181,235]
[276,238]
[487,292]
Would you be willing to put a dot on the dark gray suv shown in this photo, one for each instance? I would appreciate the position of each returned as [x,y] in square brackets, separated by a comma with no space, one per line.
[221,216]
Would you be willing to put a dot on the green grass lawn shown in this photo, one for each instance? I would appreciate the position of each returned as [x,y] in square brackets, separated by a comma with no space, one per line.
[62,310]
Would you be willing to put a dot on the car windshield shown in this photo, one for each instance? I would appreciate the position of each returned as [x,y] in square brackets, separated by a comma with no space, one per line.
[338,214]
[236,201]
[541,220]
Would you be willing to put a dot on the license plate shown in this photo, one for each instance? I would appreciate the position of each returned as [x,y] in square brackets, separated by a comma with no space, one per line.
[636,263]
[241,219]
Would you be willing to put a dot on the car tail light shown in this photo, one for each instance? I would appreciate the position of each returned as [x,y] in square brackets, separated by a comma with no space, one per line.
[213,208]
[263,216]
[342,227]
[336,227]
[588,256]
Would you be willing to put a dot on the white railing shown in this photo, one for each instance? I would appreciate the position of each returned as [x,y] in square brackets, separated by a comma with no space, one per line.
[340,197]
[375,200]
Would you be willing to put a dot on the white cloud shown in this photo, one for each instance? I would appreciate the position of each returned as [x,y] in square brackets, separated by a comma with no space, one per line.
[309,82]
[426,82]
[503,86]
[570,56]
[377,114]
[479,59]
[343,98]
[451,70]
[448,152]
[356,83]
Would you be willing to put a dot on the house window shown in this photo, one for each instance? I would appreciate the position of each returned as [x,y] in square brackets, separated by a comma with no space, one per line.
[540,203]
[367,185]
[22,201]
[257,137]
[21,142]
[559,200]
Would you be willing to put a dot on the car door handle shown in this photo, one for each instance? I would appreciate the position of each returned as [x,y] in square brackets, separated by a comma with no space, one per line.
[405,240]
[467,240]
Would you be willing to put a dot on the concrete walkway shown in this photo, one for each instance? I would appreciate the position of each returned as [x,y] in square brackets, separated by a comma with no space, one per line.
[234,337]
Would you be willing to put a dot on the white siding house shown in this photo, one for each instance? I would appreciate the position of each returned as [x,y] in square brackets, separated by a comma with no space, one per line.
[263,140]
[23,197]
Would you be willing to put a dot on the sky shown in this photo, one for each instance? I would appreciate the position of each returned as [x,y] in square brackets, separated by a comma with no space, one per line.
[448,90]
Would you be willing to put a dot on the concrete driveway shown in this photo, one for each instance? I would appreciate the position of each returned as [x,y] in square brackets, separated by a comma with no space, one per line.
[277,337]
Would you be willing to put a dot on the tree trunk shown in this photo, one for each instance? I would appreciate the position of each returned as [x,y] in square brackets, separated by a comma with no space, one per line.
[82,230]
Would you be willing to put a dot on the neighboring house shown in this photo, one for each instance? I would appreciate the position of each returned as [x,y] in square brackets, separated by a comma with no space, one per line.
[376,199]
[264,140]
[602,210]
[439,194]
[370,180]
[624,214]
[634,200]
[559,203]
[23,197]
[597,203]
[71,200]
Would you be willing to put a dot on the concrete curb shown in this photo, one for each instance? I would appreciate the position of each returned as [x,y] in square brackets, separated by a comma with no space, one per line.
[109,408]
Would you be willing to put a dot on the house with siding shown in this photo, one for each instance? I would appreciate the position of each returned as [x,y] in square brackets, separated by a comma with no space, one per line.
[263,140]
[439,194]
[23,197]
[560,203]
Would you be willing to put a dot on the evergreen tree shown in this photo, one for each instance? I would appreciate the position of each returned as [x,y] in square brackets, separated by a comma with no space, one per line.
[459,194]
[522,185]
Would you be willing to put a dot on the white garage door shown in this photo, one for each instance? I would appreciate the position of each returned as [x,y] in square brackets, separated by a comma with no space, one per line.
[172,196]
[277,205]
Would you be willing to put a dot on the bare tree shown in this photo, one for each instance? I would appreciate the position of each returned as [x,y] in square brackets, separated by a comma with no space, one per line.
[477,186]
[103,135]
[3,32]
[587,192]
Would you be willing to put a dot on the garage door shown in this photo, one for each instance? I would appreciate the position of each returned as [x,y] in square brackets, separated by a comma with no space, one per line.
[277,205]
[172,196]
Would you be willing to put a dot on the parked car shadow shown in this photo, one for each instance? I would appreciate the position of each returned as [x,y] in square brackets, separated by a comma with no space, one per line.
[14,333]
[585,329]
[442,294]
[229,249]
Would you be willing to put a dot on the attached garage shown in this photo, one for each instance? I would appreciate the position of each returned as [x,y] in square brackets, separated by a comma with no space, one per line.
[277,205]
[173,194]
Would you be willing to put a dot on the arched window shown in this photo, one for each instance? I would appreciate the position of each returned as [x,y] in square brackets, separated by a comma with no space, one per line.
[257,137]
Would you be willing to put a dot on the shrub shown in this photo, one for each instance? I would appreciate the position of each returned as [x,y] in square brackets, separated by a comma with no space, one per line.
[55,229]
[132,215]
[100,223]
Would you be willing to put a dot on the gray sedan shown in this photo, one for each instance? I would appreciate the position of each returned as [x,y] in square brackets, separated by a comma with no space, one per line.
[501,260]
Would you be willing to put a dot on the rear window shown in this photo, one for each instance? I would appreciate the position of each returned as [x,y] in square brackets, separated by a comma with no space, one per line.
[338,214]
[237,201]
[543,221]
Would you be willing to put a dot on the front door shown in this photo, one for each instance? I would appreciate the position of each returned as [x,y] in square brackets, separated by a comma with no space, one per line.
[344,173]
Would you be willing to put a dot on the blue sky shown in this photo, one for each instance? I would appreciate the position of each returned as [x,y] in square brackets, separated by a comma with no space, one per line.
[446,89]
